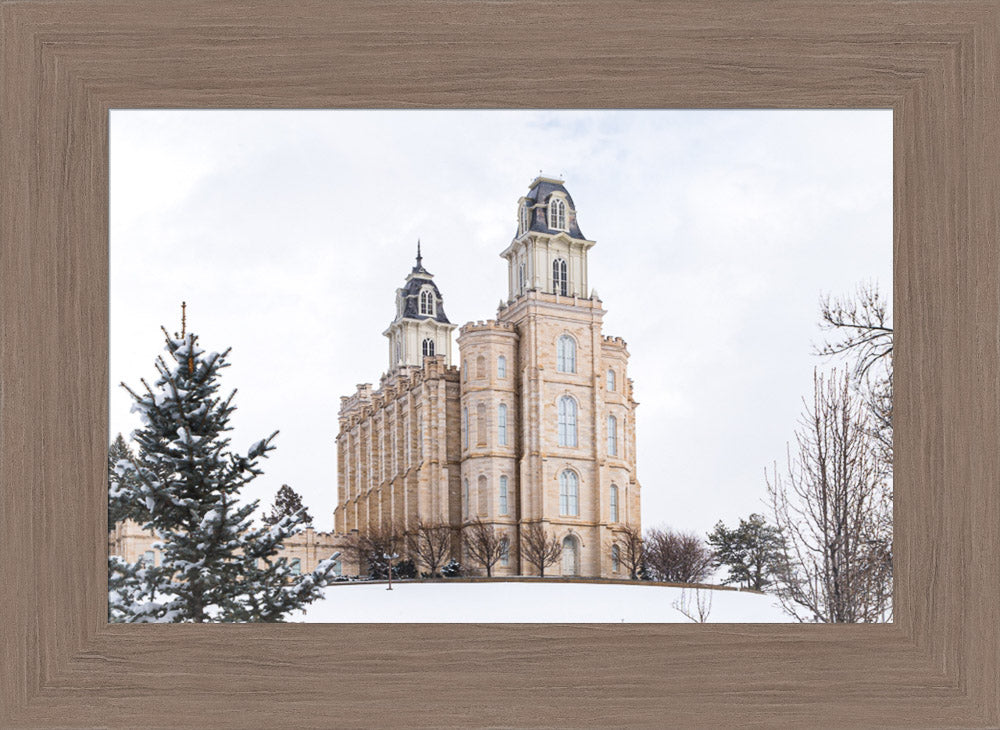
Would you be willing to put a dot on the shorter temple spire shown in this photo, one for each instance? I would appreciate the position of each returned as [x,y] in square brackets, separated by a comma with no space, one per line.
[419,257]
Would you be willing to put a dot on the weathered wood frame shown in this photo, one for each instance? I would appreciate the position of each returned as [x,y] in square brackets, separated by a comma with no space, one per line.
[64,64]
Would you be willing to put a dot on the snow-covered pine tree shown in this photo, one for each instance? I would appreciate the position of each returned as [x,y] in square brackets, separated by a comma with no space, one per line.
[287,502]
[215,565]
[121,508]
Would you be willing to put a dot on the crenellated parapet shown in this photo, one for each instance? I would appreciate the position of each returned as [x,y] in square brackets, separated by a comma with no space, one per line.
[366,402]
[489,325]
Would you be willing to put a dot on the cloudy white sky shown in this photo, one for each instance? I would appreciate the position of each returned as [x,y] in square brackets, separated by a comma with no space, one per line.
[287,233]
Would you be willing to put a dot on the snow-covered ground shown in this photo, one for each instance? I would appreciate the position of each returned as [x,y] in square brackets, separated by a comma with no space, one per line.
[526,602]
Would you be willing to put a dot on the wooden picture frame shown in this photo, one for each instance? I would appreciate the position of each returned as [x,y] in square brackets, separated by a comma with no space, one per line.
[64,64]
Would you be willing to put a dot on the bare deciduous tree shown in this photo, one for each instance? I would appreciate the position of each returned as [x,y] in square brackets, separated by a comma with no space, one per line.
[538,548]
[631,550]
[677,556]
[375,544]
[696,609]
[834,505]
[431,543]
[860,326]
[486,546]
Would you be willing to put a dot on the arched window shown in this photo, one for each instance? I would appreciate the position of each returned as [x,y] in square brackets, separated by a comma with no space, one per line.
[502,424]
[566,354]
[505,551]
[614,503]
[569,494]
[560,280]
[480,367]
[523,218]
[501,367]
[611,380]
[567,421]
[465,427]
[616,558]
[296,566]
[428,347]
[148,558]
[570,556]
[465,371]
[503,494]
[483,497]
[427,302]
[521,277]
[465,502]
[481,424]
[557,214]
[612,436]
[399,350]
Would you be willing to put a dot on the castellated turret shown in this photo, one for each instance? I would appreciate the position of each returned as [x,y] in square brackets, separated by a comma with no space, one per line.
[488,387]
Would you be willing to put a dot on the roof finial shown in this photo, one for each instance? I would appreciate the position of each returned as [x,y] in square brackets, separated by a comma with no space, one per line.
[419,257]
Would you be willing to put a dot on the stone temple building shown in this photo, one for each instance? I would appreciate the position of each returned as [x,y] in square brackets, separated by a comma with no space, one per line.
[536,424]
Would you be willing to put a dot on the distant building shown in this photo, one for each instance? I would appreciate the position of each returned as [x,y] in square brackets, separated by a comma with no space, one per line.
[304,551]
[537,426]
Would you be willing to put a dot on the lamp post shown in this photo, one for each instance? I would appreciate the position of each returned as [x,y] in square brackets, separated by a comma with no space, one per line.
[389,558]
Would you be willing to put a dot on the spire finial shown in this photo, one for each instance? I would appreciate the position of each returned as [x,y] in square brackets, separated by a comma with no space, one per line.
[419,257]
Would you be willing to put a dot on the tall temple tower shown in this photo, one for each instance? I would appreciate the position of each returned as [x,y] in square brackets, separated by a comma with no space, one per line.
[548,410]
[421,328]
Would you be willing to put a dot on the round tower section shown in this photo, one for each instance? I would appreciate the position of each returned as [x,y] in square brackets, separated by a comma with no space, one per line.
[490,430]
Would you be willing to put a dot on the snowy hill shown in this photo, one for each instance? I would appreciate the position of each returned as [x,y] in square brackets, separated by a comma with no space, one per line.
[533,602]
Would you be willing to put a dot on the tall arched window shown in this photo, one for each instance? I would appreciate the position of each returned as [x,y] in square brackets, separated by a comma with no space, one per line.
[567,421]
[521,279]
[570,556]
[502,424]
[465,502]
[505,551]
[566,354]
[399,350]
[523,218]
[614,503]
[481,424]
[427,302]
[560,279]
[503,494]
[569,494]
[501,367]
[612,436]
[465,427]
[481,367]
[428,347]
[616,558]
[483,495]
[557,214]
[611,380]
[465,370]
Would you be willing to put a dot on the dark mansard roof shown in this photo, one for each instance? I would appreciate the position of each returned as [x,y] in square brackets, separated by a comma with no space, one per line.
[541,190]
[418,279]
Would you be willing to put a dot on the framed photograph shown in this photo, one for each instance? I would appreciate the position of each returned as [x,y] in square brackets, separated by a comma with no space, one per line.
[66,66]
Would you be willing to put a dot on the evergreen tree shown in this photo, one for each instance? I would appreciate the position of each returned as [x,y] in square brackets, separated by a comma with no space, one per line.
[753,551]
[287,503]
[120,508]
[215,566]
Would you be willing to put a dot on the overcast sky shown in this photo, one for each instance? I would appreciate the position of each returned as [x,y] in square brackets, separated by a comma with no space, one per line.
[288,232]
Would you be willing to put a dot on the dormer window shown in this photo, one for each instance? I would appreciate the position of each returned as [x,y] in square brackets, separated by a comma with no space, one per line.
[522,219]
[557,214]
[427,302]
